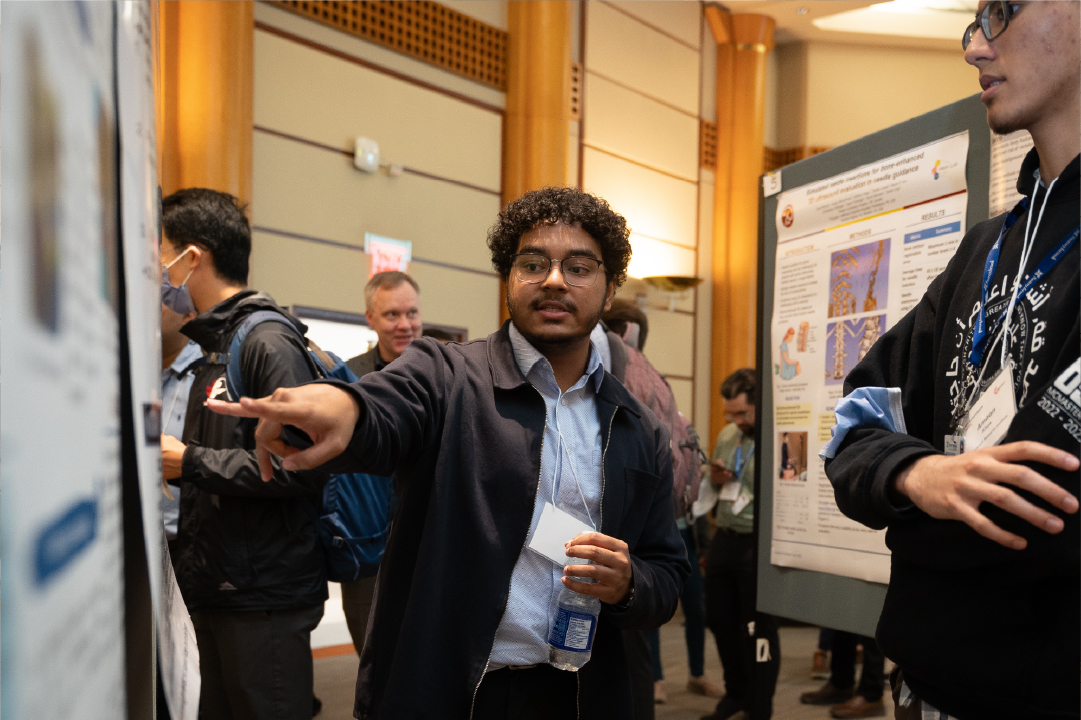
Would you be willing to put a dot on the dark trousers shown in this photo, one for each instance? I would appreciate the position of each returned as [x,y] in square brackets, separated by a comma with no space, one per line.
[256,665]
[694,616]
[357,605]
[536,693]
[746,639]
[843,665]
[636,646]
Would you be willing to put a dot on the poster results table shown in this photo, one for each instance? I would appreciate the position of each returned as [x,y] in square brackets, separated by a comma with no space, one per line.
[855,253]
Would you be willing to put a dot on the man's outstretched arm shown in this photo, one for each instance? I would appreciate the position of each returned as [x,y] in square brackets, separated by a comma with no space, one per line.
[327,414]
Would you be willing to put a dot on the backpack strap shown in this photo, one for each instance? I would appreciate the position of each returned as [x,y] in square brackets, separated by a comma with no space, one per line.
[234,377]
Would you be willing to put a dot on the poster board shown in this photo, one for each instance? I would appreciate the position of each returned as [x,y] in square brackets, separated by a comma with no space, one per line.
[62,586]
[816,596]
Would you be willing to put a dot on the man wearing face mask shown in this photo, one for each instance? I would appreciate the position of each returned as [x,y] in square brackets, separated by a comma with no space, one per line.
[960,429]
[248,560]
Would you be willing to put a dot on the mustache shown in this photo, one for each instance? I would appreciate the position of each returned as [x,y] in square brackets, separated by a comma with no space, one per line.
[565,303]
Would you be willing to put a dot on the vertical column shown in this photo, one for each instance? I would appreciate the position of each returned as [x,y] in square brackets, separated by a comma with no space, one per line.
[538,100]
[205,95]
[743,40]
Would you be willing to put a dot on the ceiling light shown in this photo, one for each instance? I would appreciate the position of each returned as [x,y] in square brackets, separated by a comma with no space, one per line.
[941,19]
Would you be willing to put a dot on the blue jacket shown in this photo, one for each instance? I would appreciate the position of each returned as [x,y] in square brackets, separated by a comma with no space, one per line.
[462,429]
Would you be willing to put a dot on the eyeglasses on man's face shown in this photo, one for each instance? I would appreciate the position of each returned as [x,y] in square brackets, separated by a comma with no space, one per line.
[993,20]
[577,270]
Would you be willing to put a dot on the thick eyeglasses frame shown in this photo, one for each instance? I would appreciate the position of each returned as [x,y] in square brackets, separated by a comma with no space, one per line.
[983,21]
[562,268]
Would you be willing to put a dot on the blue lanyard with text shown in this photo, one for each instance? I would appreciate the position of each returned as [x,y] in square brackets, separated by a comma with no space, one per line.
[737,468]
[980,331]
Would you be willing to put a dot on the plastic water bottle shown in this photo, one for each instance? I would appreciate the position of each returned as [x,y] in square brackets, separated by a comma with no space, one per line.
[570,639]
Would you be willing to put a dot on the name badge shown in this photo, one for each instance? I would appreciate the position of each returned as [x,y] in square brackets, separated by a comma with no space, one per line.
[555,528]
[990,417]
[740,502]
[730,490]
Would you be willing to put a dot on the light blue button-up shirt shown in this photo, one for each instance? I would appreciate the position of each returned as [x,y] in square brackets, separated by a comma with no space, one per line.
[571,445]
[176,383]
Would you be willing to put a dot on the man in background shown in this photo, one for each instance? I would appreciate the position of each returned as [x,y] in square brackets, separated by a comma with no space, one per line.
[392,308]
[179,358]
[746,639]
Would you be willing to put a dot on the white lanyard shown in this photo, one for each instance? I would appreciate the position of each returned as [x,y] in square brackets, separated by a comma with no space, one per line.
[562,446]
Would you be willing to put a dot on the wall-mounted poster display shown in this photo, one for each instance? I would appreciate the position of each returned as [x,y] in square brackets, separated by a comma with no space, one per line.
[855,252]
[60,520]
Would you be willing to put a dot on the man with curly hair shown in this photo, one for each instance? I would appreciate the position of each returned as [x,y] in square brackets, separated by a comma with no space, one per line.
[486,437]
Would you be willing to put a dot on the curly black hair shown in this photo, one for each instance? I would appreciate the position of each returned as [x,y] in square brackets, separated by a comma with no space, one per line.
[570,206]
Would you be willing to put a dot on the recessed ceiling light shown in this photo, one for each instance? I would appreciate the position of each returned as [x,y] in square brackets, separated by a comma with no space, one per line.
[942,19]
[802,10]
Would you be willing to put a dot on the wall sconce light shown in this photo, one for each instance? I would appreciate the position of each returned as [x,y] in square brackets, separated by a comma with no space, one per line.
[673,286]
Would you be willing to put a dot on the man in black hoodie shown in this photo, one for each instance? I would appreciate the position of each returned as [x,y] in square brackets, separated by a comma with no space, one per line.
[249,563]
[984,602]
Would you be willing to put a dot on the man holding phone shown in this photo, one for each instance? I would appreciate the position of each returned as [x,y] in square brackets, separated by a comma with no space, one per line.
[744,636]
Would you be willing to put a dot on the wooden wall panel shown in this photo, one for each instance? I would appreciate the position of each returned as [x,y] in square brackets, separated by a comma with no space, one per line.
[678,19]
[635,127]
[273,19]
[668,346]
[296,272]
[627,51]
[682,389]
[310,191]
[308,93]
[655,205]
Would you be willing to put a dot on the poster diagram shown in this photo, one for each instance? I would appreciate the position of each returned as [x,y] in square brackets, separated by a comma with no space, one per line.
[859,278]
[847,342]
[855,252]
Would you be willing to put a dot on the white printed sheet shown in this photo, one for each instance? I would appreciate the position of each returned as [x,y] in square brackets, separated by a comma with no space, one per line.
[855,253]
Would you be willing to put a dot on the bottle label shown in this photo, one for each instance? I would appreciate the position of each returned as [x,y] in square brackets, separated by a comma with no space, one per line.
[572,630]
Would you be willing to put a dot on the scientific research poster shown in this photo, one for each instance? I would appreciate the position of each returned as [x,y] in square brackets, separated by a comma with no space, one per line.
[61,526]
[139,233]
[855,253]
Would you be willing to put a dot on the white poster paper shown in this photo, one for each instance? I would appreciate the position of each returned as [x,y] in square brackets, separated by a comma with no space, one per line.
[855,253]
[142,266]
[62,545]
[177,647]
[1007,154]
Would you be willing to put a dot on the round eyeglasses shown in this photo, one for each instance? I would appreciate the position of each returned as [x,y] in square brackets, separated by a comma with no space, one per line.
[576,270]
[993,20]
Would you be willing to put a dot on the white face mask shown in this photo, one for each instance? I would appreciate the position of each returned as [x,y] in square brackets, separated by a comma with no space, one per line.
[177,299]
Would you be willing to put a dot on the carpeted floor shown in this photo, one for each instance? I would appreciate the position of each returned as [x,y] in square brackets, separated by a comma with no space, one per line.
[335,678]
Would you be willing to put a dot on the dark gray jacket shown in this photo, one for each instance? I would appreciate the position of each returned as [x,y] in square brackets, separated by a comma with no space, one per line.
[462,429]
[367,362]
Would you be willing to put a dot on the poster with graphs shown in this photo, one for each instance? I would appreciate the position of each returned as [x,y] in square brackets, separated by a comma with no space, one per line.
[855,253]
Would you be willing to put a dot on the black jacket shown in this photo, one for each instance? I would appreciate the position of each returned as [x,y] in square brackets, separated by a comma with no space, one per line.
[463,428]
[245,544]
[981,631]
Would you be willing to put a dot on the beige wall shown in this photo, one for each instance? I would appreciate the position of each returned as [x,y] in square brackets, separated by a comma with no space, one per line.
[828,94]
[639,148]
[311,208]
